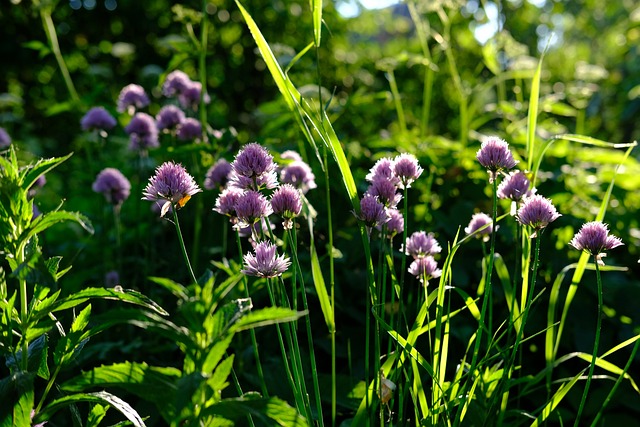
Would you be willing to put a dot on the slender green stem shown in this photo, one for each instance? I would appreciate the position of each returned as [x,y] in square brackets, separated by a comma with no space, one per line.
[50,30]
[252,332]
[202,69]
[396,99]
[182,247]
[403,263]
[595,345]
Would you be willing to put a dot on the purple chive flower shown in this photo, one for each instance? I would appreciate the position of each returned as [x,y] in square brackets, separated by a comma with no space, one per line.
[265,262]
[385,191]
[226,202]
[189,129]
[515,186]
[143,132]
[594,239]
[189,97]
[537,212]
[253,168]
[291,155]
[382,169]
[97,118]
[421,244]
[111,278]
[495,156]
[478,221]
[372,212]
[407,169]
[257,229]
[171,186]
[251,206]
[395,223]
[131,98]
[169,118]
[286,202]
[113,185]
[425,268]
[5,139]
[218,175]
[298,174]
[175,83]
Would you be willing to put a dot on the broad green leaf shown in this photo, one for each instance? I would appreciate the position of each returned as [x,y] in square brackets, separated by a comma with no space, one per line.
[49,219]
[218,380]
[96,415]
[16,395]
[269,411]
[41,167]
[36,357]
[217,352]
[175,288]
[101,397]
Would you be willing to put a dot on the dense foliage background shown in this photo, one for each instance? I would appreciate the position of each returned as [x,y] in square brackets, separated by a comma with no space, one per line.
[590,85]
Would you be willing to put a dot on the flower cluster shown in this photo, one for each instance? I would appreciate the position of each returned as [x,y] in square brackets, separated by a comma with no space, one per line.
[143,132]
[422,247]
[98,119]
[113,185]
[171,187]
[481,226]
[495,156]
[132,98]
[5,139]
[594,239]
[537,212]
[264,261]
[188,92]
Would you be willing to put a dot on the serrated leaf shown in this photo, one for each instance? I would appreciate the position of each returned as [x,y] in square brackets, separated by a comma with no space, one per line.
[101,397]
[16,395]
[218,380]
[42,166]
[96,415]
[36,352]
[270,411]
[217,352]
[175,288]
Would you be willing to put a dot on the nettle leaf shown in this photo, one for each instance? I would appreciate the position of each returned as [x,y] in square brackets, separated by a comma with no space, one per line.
[71,344]
[151,383]
[96,415]
[36,358]
[101,397]
[217,352]
[49,219]
[186,387]
[31,173]
[269,411]
[16,395]
[218,381]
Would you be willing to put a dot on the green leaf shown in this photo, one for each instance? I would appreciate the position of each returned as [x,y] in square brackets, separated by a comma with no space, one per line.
[96,415]
[269,411]
[321,289]
[556,399]
[101,397]
[267,316]
[218,380]
[316,7]
[49,219]
[36,358]
[175,288]
[218,350]
[42,166]
[16,395]
[532,118]
[117,293]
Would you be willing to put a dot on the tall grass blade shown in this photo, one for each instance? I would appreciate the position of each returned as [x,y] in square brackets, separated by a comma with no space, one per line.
[316,7]
[532,118]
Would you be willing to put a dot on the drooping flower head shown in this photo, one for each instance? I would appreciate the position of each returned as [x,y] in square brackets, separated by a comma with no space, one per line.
[372,212]
[385,191]
[131,98]
[495,156]
[218,175]
[169,118]
[407,169]
[382,169]
[478,221]
[175,83]
[252,206]
[226,202]
[537,212]
[298,174]
[5,139]
[425,268]
[143,132]
[265,262]
[395,223]
[190,129]
[97,118]
[113,185]
[594,239]
[286,202]
[515,186]
[253,168]
[421,244]
[171,186]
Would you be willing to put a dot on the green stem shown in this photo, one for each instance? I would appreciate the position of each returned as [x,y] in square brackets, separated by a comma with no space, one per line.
[396,99]
[595,345]
[203,69]
[24,313]
[50,30]
[182,246]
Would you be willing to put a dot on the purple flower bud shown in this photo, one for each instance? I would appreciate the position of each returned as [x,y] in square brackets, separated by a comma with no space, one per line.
[5,139]
[253,168]
[190,129]
[515,186]
[298,174]
[189,97]
[252,206]
[113,185]
[132,97]
[395,223]
[594,239]
[218,175]
[169,117]
[291,155]
[478,221]
[385,191]
[495,156]
[142,131]
[264,262]
[382,169]
[286,202]
[97,118]
[537,212]
[421,244]
[425,268]
[407,169]
[226,201]
[175,83]
[171,185]
[372,212]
